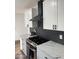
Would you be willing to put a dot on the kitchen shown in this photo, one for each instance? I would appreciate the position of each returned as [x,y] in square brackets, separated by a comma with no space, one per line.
[43,37]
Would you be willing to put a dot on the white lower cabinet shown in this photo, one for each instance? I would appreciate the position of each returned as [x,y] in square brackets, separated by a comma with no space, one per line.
[23,45]
[42,55]
[50,50]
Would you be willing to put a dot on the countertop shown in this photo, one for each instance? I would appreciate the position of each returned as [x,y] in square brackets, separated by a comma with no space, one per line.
[53,49]
[25,36]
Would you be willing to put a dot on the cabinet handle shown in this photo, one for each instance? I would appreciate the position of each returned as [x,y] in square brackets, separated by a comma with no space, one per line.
[46,58]
[56,26]
[53,27]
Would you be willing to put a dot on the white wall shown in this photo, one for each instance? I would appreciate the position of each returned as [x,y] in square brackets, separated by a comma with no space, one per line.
[28,16]
[19,26]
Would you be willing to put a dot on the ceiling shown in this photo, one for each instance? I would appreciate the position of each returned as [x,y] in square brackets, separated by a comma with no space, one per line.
[21,5]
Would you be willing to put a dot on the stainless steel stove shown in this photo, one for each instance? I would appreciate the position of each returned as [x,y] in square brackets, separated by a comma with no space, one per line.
[32,43]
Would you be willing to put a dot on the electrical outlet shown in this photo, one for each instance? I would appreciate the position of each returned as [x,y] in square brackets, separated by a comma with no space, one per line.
[60,36]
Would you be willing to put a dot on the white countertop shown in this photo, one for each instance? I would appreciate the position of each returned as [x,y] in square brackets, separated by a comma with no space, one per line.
[53,49]
[25,36]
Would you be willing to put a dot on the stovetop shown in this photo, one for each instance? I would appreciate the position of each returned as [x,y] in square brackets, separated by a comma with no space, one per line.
[36,40]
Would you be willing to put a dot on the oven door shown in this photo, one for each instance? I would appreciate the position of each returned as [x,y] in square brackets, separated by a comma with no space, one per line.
[31,52]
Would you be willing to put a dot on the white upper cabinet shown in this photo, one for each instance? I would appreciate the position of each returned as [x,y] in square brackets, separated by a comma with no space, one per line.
[34,11]
[49,14]
[53,17]
[61,15]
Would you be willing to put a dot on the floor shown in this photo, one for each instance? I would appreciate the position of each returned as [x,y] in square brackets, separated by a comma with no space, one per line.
[18,53]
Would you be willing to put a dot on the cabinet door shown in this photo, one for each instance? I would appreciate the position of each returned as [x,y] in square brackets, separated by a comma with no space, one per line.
[60,15]
[49,14]
[34,11]
[24,46]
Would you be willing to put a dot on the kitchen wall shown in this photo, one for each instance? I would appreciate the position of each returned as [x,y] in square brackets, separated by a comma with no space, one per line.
[20,28]
[47,34]
[27,17]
